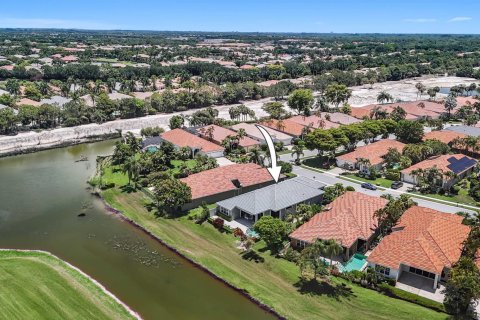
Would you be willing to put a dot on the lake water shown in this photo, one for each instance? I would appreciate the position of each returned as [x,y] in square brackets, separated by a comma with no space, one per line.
[446,90]
[41,195]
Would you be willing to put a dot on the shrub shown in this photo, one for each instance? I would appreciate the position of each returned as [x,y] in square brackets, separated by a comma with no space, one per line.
[203,215]
[224,216]
[291,255]
[350,188]
[218,223]
[106,186]
[392,175]
[237,232]
[286,166]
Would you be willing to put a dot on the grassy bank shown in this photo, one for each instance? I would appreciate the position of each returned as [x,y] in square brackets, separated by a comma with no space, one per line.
[36,285]
[275,282]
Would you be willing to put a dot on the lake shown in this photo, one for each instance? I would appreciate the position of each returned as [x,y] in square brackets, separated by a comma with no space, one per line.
[41,195]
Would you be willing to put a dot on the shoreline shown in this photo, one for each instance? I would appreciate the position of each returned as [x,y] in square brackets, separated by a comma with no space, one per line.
[93,280]
[197,265]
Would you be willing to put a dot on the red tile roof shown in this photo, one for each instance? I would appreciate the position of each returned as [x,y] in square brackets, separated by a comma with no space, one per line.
[218,180]
[350,218]
[441,162]
[414,109]
[182,138]
[445,136]
[373,152]
[423,238]
[220,133]
[462,101]
[314,122]
[287,126]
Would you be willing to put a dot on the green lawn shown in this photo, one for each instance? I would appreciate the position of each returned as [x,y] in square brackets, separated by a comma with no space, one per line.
[273,281]
[177,163]
[35,285]
[382,182]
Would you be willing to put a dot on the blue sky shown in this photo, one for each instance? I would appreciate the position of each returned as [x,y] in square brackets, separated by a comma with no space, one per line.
[352,16]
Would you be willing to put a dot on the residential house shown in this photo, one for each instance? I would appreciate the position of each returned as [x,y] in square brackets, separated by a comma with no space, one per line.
[445,136]
[253,132]
[314,122]
[221,183]
[181,138]
[286,126]
[276,200]
[425,243]
[349,220]
[217,134]
[369,155]
[454,167]
[27,101]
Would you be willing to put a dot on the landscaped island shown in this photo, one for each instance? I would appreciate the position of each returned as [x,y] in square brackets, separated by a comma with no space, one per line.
[38,285]
[271,281]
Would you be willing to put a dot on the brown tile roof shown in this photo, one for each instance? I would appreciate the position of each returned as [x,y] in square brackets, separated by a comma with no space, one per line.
[373,151]
[26,101]
[182,138]
[414,109]
[287,126]
[314,122]
[218,180]
[339,117]
[445,136]
[220,133]
[350,218]
[441,162]
[462,101]
[423,238]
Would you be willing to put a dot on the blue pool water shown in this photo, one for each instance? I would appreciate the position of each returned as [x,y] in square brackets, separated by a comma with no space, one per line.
[152,149]
[356,262]
[252,233]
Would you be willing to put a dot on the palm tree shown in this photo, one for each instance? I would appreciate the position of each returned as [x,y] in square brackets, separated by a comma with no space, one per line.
[297,151]
[421,88]
[132,169]
[450,104]
[241,133]
[384,97]
[256,156]
[332,248]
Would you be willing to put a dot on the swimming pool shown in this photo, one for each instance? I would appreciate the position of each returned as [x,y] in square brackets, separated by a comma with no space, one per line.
[356,262]
[252,233]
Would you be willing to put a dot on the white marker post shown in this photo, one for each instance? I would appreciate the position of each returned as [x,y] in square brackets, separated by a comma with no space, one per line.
[274,170]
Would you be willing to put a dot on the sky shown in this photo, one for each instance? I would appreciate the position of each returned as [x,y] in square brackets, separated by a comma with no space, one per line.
[339,16]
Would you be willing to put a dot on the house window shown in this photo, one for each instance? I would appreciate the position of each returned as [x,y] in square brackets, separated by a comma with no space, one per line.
[422,273]
[382,270]
[301,243]
[224,211]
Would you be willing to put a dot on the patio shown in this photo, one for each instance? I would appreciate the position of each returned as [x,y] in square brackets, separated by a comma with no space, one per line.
[242,224]
[420,286]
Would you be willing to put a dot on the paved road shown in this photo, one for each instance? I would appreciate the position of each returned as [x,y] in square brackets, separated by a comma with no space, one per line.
[330,179]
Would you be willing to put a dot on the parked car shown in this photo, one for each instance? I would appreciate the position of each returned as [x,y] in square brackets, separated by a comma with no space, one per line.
[370,186]
[397,184]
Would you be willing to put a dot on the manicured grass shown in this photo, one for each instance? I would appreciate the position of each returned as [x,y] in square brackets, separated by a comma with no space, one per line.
[36,285]
[177,163]
[461,197]
[273,281]
[382,182]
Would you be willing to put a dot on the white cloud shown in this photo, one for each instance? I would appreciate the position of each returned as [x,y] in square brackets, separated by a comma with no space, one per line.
[420,20]
[53,23]
[459,19]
